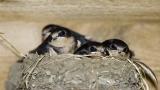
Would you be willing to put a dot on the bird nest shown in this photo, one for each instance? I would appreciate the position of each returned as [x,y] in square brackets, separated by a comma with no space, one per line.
[73,72]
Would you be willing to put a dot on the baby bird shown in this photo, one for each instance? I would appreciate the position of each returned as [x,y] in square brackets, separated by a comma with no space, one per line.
[118,48]
[48,29]
[60,40]
[91,49]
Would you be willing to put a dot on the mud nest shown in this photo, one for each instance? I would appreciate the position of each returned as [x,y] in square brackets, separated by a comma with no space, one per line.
[72,72]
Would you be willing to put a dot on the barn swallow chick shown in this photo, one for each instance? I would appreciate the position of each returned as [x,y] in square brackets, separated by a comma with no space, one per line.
[61,40]
[117,48]
[51,28]
[91,49]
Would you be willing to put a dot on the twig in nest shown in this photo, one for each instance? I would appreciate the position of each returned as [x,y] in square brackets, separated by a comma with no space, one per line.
[148,74]
[30,71]
[11,47]
[90,56]
[146,87]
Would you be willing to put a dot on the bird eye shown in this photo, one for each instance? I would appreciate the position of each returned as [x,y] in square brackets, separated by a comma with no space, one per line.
[62,34]
[92,49]
[112,47]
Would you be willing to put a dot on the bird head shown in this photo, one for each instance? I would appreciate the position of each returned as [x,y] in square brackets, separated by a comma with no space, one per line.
[63,38]
[117,47]
[91,48]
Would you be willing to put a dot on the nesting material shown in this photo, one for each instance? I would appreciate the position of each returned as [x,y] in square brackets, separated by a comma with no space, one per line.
[72,72]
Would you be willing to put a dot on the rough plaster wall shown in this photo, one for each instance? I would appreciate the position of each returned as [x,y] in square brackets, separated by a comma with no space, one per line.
[24,36]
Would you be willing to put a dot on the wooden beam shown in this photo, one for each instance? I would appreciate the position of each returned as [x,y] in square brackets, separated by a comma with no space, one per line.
[87,9]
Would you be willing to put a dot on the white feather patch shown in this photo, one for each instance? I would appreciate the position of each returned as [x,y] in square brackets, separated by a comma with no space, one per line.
[78,43]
